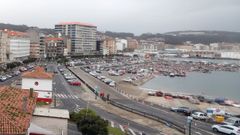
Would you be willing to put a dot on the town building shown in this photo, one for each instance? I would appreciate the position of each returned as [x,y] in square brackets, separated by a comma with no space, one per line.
[57,47]
[121,44]
[109,46]
[34,36]
[35,50]
[82,35]
[150,46]
[3,46]
[54,47]
[41,82]
[50,121]
[18,48]
[99,47]
[16,111]
[42,48]
[200,47]
[132,44]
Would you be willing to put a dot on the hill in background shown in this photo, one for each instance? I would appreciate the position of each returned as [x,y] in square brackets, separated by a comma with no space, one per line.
[176,38]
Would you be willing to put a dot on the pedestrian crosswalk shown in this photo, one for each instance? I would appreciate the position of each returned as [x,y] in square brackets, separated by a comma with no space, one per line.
[66,96]
[124,128]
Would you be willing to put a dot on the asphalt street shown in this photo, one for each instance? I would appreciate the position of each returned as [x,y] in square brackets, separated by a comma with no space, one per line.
[71,102]
[198,127]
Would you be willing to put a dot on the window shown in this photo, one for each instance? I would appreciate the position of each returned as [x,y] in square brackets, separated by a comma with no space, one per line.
[227,127]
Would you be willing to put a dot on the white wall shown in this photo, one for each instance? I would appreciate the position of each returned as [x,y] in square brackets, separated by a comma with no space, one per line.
[43,84]
[231,55]
[121,44]
[19,47]
[42,94]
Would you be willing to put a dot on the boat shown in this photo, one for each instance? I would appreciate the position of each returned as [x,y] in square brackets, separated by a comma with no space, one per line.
[172,75]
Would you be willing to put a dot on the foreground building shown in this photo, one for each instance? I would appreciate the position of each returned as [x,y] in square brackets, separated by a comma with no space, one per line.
[82,35]
[40,81]
[16,109]
[50,121]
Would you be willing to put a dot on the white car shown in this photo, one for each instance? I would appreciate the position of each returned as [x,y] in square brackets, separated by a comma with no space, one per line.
[226,129]
[112,84]
[199,116]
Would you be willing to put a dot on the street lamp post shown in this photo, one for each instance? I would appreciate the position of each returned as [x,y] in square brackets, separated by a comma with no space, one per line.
[189,121]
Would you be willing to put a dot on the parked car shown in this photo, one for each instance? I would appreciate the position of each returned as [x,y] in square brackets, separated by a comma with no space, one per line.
[112,84]
[199,116]
[151,93]
[184,110]
[226,129]
[75,83]
[234,121]
[3,78]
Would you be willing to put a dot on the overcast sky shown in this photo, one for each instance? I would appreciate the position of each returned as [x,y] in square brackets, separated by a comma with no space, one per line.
[136,16]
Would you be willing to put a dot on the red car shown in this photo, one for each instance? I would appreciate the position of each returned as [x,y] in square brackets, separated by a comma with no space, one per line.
[75,83]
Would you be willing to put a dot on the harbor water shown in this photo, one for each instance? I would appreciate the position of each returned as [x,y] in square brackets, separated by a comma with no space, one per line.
[214,84]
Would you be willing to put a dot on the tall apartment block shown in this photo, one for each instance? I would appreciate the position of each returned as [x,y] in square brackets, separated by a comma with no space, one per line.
[82,35]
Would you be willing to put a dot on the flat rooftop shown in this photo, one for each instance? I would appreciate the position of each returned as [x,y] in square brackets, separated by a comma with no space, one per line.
[51,112]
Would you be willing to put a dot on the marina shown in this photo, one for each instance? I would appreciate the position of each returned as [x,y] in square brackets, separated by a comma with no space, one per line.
[215,84]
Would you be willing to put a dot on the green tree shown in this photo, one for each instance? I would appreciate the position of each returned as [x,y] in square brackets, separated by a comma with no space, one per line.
[89,123]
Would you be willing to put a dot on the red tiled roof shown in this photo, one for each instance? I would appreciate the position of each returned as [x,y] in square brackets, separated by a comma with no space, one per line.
[14,33]
[77,23]
[13,118]
[38,73]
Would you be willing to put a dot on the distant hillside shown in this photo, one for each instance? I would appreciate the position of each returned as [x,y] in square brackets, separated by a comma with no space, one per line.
[205,37]
[118,34]
[24,28]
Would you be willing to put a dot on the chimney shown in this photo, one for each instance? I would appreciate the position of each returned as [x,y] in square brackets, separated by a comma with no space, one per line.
[31,93]
[24,104]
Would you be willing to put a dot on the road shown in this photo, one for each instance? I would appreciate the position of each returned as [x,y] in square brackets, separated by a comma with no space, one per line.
[71,102]
[198,127]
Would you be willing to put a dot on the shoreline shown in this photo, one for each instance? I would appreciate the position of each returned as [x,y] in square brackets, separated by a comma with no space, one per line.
[187,94]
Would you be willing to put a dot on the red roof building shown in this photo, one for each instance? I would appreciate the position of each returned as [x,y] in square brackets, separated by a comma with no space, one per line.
[38,73]
[41,82]
[16,109]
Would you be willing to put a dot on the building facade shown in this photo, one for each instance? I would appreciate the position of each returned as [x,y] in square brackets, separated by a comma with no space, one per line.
[35,50]
[56,47]
[150,46]
[109,46]
[18,47]
[40,81]
[42,48]
[99,47]
[132,44]
[82,35]
[121,44]
[3,46]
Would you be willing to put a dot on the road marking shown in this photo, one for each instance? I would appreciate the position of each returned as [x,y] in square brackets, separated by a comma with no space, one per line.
[112,124]
[198,133]
[131,131]
[121,127]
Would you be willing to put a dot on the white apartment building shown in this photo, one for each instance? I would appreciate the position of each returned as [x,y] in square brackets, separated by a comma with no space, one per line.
[82,35]
[19,48]
[121,44]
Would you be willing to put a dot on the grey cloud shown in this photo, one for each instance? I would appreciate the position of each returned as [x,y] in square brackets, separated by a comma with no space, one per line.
[137,16]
